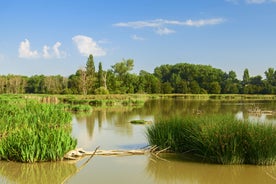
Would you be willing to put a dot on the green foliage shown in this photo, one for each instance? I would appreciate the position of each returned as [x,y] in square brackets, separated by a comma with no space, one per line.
[122,68]
[90,75]
[101,91]
[218,139]
[32,132]
[182,78]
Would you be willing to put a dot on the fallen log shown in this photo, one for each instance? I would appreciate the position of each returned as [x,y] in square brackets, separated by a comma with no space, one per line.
[79,152]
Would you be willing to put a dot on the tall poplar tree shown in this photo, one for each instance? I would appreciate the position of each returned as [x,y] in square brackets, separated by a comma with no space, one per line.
[246,77]
[90,74]
[100,76]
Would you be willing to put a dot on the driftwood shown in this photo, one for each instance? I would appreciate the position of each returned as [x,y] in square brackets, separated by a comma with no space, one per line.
[82,166]
[79,152]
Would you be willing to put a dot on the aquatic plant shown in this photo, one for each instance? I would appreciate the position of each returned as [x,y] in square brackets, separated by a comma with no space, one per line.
[217,139]
[139,122]
[31,131]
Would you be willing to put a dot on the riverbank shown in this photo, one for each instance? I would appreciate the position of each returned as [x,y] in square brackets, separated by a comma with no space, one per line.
[139,99]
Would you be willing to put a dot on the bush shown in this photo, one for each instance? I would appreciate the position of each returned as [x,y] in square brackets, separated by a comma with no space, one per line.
[101,91]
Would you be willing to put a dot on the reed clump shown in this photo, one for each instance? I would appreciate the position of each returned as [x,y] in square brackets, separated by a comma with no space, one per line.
[218,139]
[31,131]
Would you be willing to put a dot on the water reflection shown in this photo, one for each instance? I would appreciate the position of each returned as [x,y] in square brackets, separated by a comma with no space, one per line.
[46,172]
[175,171]
[255,118]
[109,128]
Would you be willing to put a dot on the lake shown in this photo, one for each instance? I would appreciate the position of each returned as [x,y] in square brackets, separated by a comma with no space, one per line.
[109,128]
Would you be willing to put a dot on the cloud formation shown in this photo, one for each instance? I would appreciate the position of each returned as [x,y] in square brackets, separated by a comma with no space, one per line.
[252,1]
[164,31]
[25,50]
[56,50]
[86,46]
[161,25]
[47,52]
[53,52]
[260,1]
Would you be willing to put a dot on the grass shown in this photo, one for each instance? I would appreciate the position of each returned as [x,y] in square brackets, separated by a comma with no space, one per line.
[31,131]
[218,139]
[79,108]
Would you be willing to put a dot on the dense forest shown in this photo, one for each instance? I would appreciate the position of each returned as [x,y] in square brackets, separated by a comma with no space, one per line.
[182,78]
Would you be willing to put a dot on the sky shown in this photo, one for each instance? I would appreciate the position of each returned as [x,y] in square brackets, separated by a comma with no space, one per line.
[52,37]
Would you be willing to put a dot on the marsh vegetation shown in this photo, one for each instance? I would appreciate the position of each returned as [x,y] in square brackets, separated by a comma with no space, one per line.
[32,131]
[221,139]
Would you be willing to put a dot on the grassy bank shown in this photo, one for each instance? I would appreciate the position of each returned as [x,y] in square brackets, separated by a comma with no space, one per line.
[31,131]
[217,139]
[138,99]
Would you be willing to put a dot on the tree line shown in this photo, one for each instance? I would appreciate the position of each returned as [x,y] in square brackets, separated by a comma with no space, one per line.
[182,78]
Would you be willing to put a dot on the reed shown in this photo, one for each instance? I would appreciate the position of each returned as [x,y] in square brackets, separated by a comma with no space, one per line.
[31,131]
[217,139]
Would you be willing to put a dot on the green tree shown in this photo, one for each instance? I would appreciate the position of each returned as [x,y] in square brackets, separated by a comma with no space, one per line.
[100,76]
[194,87]
[123,80]
[271,76]
[256,85]
[148,83]
[167,88]
[113,84]
[55,84]
[214,88]
[122,68]
[246,77]
[90,74]
[230,84]
[34,84]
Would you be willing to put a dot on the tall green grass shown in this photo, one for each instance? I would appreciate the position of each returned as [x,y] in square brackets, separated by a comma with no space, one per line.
[217,139]
[31,131]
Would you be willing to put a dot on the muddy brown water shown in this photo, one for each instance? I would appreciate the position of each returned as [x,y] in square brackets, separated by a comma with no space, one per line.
[109,128]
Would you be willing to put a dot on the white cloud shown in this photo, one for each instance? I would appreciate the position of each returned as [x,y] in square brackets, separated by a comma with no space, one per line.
[255,1]
[251,1]
[86,46]
[25,50]
[204,22]
[53,52]
[138,38]
[162,24]
[57,53]
[164,31]
[47,52]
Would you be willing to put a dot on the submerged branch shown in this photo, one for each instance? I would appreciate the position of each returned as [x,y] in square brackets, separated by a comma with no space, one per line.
[82,166]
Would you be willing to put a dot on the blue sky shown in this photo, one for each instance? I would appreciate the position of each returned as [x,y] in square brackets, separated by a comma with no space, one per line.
[56,36]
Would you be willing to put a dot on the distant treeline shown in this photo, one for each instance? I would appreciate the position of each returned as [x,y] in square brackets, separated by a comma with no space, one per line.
[182,78]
